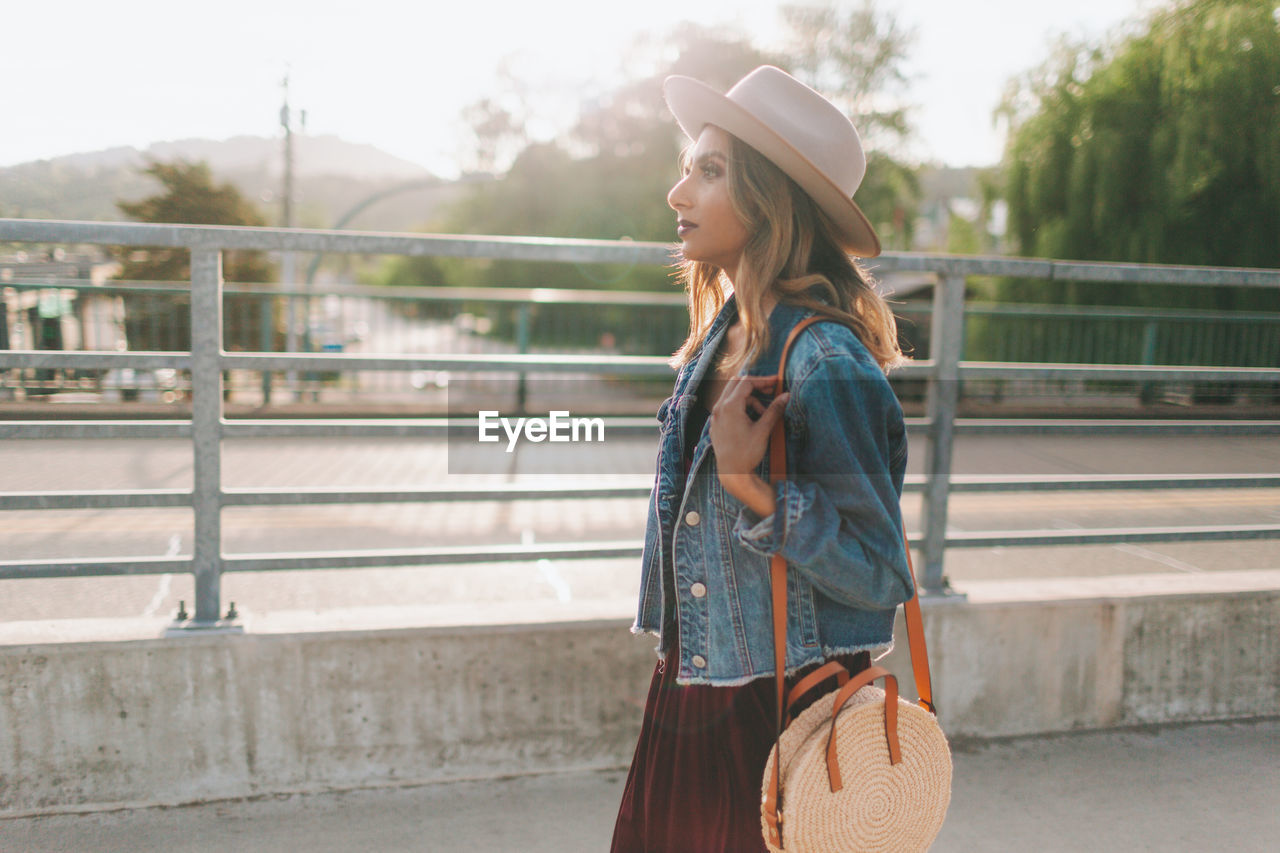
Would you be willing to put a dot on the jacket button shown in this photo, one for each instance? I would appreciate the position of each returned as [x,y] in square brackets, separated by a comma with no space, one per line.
[698,589]
[699,661]
[692,518]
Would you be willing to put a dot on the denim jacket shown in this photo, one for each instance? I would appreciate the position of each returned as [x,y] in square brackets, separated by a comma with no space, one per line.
[838,521]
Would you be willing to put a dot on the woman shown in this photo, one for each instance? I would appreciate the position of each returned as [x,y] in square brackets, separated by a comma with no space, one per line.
[767,221]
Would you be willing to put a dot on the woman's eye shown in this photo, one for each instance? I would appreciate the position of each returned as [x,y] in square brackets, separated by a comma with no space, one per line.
[710,171]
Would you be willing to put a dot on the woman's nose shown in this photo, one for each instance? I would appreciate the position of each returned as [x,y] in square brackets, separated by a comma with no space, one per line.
[676,198]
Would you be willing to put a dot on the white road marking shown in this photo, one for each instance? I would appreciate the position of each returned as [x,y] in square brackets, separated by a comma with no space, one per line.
[1139,551]
[547,569]
[161,594]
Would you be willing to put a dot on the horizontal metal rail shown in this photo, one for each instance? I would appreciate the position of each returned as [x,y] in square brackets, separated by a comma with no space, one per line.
[1117,372]
[97,499]
[1088,426]
[321,496]
[554,249]
[1109,482]
[80,430]
[622,365]
[222,238]
[440,428]
[512,295]
[400,558]
[1109,536]
[94,359]
[12,570]
[432,556]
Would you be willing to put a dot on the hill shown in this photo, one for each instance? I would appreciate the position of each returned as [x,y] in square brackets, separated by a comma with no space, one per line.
[331,175]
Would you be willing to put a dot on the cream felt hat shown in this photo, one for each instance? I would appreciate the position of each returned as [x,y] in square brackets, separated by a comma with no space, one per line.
[797,129]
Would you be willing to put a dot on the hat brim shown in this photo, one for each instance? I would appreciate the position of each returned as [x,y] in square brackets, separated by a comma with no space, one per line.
[696,105]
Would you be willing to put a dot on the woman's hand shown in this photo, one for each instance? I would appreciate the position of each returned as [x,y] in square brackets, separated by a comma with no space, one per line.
[740,443]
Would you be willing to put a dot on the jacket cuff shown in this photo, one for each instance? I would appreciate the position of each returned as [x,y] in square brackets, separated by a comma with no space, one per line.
[767,535]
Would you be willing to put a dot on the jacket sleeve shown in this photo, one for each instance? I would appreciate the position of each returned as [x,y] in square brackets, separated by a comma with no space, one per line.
[838,519]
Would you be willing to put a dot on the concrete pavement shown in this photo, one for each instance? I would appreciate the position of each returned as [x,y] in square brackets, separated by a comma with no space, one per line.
[1199,787]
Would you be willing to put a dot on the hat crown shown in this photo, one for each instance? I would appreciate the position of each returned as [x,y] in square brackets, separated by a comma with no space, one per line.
[810,123]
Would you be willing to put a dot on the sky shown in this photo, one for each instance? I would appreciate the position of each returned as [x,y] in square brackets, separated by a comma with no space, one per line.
[83,76]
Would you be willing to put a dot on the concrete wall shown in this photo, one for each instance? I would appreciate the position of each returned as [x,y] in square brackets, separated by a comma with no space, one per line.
[1054,655]
[88,724]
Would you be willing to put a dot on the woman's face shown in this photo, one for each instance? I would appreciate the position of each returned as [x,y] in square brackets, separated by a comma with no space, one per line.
[709,229]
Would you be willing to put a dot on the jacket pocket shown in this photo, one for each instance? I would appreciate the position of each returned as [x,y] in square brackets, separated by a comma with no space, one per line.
[664,409]
[801,618]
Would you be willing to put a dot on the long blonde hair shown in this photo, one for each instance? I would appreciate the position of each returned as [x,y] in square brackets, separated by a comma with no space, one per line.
[793,251]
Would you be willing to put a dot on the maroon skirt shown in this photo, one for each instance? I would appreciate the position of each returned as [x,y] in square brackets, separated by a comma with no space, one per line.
[694,783]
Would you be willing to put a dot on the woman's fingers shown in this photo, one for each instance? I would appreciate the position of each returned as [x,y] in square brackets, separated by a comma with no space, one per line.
[741,424]
[771,414]
[740,389]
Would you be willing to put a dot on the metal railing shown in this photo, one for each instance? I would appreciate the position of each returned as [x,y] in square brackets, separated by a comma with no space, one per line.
[207,360]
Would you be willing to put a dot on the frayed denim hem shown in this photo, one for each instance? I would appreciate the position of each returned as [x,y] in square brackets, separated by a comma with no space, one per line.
[878,651]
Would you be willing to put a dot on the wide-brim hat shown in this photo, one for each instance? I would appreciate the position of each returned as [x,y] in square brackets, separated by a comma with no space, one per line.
[797,129]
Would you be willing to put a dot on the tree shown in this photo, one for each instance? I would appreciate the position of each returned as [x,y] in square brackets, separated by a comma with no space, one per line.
[1163,147]
[855,57]
[156,321]
[190,197]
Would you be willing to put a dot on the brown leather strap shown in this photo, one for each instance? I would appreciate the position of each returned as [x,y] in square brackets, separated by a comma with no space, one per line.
[813,679]
[778,579]
[915,638]
[858,682]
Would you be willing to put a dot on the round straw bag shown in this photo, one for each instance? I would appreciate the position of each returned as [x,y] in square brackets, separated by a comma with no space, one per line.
[861,769]
[849,786]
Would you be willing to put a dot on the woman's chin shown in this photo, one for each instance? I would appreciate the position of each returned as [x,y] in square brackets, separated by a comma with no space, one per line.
[691,253]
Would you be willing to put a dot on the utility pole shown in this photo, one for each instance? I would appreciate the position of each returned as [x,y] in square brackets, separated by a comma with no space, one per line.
[288,271]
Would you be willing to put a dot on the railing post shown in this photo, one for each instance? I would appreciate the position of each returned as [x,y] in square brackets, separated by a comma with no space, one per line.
[522,347]
[267,316]
[946,343]
[206,433]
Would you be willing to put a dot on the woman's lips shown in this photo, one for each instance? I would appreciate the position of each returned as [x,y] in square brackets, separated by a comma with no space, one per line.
[683,227]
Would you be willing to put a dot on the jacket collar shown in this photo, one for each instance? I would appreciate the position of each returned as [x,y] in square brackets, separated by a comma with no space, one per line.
[782,319]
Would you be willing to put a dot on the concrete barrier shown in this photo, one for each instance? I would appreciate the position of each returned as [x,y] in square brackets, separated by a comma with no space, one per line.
[87,725]
[1034,657]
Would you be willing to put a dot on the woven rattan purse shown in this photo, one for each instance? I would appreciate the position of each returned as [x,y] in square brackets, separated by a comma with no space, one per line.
[862,770]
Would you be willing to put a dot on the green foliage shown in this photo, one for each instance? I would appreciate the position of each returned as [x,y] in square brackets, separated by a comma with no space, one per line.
[1163,147]
[190,197]
[890,197]
[855,57]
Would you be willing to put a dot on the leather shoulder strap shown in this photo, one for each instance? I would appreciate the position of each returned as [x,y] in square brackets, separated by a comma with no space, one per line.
[911,608]
[778,580]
